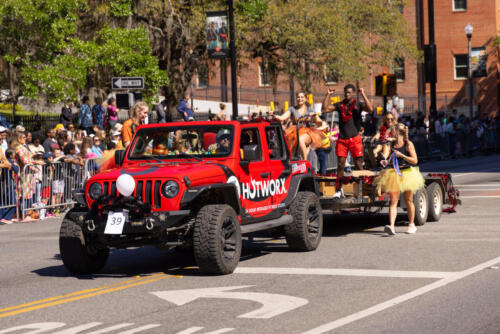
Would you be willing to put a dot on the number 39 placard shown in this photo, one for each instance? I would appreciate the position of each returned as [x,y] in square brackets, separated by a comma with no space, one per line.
[115,223]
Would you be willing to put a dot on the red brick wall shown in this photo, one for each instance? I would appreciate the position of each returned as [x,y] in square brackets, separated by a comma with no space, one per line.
[450,40]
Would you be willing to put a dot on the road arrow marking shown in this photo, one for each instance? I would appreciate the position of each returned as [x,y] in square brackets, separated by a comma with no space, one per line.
[272,304]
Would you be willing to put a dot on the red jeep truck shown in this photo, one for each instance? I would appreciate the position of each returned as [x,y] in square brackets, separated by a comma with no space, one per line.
[194,184]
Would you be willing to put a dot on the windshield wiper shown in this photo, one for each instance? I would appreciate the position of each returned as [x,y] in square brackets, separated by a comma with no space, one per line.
[187,155]
[155,158]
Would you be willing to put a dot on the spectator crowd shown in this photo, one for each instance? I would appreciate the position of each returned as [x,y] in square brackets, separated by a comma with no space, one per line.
[27,158]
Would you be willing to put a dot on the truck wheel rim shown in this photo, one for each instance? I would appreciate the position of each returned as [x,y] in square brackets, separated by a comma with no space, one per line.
[313,221]
[422,205]
[437,203]
[229,239]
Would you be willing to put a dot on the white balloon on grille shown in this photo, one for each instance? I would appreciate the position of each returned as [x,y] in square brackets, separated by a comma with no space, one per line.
[125,184]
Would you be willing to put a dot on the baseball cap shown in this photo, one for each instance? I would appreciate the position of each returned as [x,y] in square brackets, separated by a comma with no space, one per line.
[115,133]
[20,128]
[2,129]
[59,126]
[47,155]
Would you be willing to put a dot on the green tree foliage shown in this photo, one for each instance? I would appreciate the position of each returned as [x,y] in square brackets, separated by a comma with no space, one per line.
[42,44]
[302,37]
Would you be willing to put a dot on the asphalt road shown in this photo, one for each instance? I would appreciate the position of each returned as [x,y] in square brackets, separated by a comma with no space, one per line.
[444,279]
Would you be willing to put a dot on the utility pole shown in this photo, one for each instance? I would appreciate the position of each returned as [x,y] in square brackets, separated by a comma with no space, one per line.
[432,57]
[232,46]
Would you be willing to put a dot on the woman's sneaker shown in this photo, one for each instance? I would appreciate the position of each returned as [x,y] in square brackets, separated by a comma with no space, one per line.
[412,229]
[339,194]
[389,230]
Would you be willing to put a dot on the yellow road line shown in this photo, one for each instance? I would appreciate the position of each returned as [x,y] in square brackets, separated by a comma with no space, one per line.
[84,296]
[76,293]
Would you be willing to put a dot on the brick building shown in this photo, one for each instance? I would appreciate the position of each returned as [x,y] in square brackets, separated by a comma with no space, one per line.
[450,19]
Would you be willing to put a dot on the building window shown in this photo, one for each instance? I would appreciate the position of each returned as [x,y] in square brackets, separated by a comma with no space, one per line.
[398,68]
[331,77]
[264,75]
[202,77]
[459,5]
[461,66]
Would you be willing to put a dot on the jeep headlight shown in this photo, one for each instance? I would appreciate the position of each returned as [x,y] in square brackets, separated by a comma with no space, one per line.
[170,189]
[95,190]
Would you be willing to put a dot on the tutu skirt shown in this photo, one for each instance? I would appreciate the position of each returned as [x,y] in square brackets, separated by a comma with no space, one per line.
[389,181]
[313,133]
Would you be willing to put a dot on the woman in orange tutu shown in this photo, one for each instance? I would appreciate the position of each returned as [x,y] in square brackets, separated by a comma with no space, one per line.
[309,137]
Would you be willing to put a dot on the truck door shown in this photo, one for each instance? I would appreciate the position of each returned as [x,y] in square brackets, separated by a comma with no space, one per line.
[253,176]
[278,165]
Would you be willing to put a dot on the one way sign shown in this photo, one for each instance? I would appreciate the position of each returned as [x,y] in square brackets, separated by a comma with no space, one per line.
[127,83]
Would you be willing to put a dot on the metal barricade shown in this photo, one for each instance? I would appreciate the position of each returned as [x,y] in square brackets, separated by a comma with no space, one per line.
[90,169]
[8,197]
[49,186]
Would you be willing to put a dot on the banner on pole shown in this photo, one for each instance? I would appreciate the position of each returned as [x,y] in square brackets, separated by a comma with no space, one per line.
[217,35]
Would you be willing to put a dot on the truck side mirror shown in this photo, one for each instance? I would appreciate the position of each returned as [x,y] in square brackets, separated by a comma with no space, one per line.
[250,153]
[119,156]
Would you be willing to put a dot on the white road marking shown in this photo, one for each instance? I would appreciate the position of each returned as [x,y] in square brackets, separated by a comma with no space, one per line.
[195,329]
[272,304]
[479,185]
[479,196]
[344,272]
[477,171]
[78,329]
[140,329]
[37,328]
[401,299]
[109,329]
[190,330]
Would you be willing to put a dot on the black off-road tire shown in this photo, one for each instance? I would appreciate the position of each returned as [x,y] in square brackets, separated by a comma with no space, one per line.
[77,256]
[304,233]
[217,239]
[435,195]
[421,202]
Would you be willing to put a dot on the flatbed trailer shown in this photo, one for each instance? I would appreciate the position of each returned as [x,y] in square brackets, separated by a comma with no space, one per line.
[439,195]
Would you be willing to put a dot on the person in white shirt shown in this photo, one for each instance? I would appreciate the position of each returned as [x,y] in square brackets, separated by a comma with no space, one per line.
[4,145]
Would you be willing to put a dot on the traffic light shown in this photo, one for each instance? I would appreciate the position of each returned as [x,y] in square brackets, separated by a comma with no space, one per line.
[386,85]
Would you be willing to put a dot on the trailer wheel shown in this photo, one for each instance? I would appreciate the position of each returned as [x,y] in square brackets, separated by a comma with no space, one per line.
[421,202]
[435,196]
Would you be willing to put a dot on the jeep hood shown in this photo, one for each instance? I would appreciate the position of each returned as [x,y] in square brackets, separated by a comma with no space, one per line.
[196,171]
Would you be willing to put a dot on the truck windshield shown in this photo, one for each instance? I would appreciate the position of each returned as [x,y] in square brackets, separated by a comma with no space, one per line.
[180,142]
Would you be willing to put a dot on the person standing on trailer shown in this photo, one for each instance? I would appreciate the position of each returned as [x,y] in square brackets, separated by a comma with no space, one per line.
[404,178]
[349,110]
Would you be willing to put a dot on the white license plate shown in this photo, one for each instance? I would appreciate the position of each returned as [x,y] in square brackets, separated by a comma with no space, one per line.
[115,223]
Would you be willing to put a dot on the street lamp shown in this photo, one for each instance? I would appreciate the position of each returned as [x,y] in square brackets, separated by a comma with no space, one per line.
[468,32]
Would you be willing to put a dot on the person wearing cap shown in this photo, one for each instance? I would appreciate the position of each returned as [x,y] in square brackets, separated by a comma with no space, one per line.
[116,138]
[4,144]
[58,129]
[223,144]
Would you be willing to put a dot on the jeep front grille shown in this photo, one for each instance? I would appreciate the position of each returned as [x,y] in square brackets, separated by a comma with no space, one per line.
[146,191]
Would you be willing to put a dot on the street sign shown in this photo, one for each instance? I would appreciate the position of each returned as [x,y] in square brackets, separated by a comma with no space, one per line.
[127,83]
